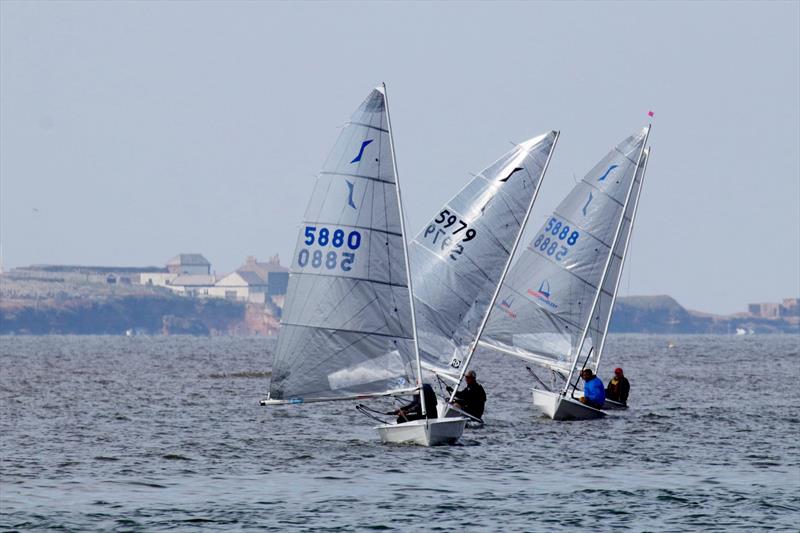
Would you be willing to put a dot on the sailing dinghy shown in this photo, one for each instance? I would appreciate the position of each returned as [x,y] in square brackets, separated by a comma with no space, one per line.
[462,255]
[556,302]
[348,329]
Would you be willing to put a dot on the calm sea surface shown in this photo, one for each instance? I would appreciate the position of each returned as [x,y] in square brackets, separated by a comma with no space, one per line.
[155,433]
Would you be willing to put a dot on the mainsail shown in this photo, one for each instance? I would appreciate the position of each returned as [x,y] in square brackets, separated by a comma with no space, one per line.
[346,329]
[551,306]
[457,259]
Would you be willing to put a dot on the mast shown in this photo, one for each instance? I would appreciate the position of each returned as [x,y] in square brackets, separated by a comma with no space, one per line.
[474,344]
[405,252]
[624,255]
[606,267]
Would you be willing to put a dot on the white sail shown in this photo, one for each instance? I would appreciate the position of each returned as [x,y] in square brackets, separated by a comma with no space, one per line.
[457,259]
[543,311]
[346,329]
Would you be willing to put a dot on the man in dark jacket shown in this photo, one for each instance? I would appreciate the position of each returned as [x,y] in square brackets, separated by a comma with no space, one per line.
[618,388]
[413,410]
[471,399]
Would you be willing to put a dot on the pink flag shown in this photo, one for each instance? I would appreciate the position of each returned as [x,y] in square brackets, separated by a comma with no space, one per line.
[650,114]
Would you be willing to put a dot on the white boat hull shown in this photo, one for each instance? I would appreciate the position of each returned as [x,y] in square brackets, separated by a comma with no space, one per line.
[559,407]
[430,432]
[611,405]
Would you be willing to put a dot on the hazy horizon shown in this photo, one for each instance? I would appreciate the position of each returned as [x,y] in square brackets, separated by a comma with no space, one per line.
[131,132]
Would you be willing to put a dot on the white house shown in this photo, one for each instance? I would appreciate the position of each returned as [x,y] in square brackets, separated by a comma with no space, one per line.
[192,284]
[239,285]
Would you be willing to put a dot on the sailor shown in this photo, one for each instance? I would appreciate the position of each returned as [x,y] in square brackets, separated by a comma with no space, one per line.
[594,395]
[471,399]
[618,388]
[413,410]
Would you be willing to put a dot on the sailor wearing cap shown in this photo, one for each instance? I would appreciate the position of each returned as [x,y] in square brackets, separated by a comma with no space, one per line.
[618,388]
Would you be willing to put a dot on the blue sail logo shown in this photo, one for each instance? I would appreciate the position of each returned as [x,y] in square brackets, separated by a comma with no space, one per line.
[350,187]
[604,176]
[587,203]
[357,158]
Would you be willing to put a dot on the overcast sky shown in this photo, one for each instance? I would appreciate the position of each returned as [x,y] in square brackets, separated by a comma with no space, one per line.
[134,131]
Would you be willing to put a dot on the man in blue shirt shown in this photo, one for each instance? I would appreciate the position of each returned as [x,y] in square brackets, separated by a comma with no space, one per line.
[594,393]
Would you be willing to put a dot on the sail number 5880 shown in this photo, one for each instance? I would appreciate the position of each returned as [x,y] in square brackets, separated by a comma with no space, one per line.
[330,260]
[336,238]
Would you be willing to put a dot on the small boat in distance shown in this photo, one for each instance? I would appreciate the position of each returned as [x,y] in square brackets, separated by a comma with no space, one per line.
[564,284]
[348,328]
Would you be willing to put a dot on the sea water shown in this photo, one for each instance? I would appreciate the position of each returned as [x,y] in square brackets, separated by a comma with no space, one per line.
[156,433]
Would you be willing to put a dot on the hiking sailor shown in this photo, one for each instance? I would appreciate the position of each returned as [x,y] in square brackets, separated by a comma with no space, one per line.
[472,398]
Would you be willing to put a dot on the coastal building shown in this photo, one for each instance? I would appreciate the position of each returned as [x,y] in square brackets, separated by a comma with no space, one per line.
[192,284]
[240,285]
[189,264]
[159,279]
[766,310]
[274,275]
[790,307]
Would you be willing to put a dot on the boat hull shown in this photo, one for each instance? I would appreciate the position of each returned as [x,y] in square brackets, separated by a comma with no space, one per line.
[559,407]
[611,405]
[430,432]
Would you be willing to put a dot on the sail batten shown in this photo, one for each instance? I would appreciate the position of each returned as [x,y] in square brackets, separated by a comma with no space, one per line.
[358,176]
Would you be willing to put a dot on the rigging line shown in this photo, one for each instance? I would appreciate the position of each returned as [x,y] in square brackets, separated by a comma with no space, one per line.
[542,383]
[362,409]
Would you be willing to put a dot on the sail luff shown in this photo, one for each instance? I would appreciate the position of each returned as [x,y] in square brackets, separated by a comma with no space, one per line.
[610,257]
[624,255]
[405,243]
[506,267]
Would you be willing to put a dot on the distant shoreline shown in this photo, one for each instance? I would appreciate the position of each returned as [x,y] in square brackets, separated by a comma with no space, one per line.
[81,301]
